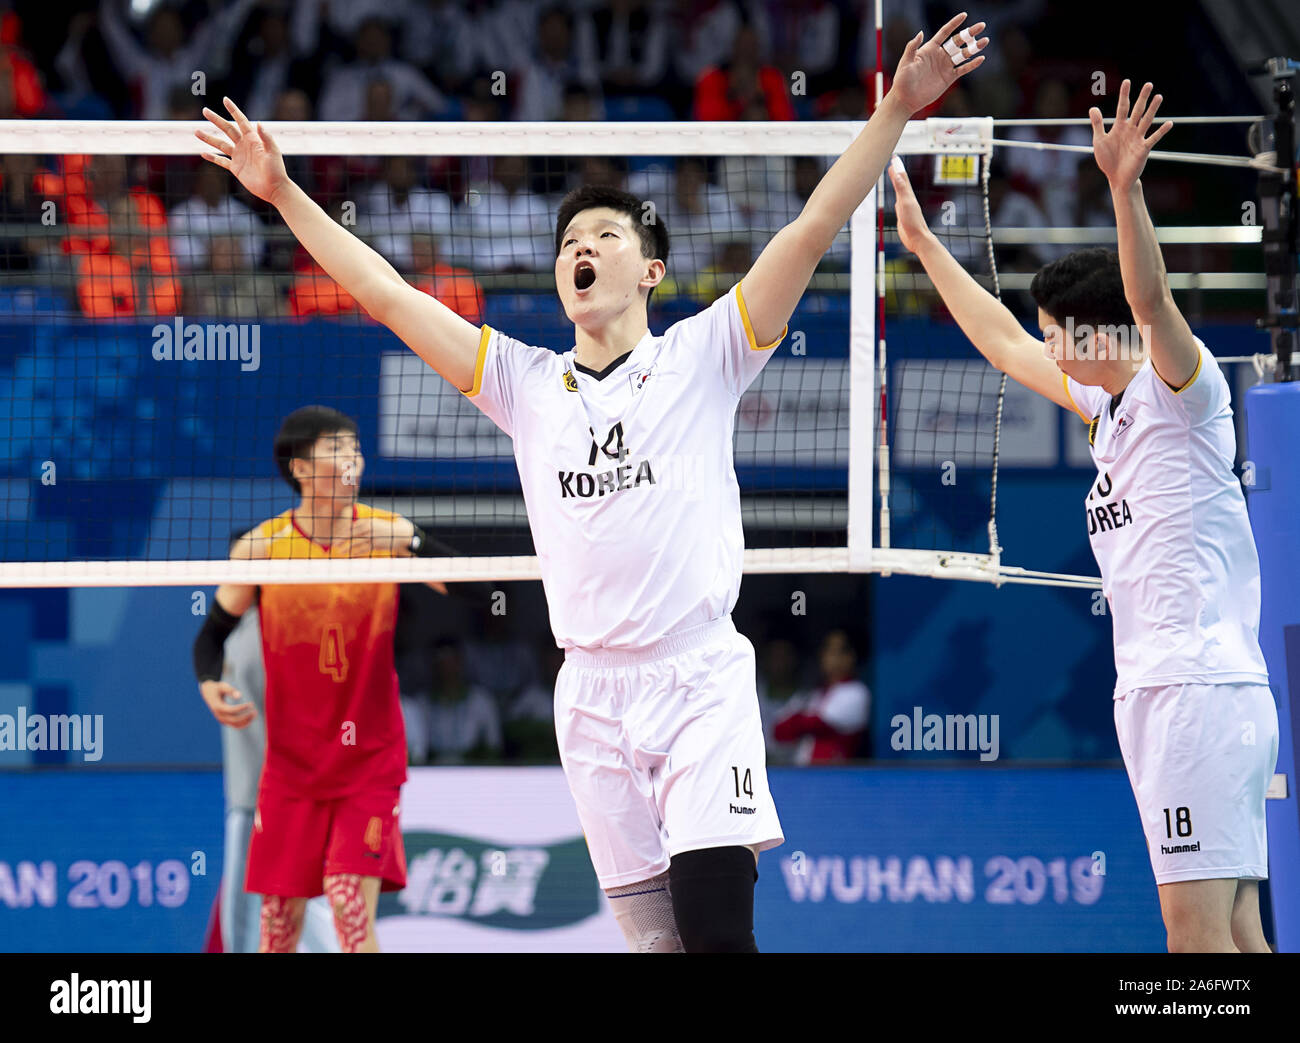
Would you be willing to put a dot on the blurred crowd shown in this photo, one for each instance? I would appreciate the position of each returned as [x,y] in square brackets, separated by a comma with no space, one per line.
[166,235]
[489,697]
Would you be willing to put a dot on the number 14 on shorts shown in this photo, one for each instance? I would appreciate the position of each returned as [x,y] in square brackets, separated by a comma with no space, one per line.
[745,785]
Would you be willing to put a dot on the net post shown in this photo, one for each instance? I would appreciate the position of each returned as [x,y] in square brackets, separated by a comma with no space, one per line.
[862,373]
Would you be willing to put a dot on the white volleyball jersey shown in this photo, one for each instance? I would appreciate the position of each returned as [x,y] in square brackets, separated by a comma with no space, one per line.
[627,475]
[1169,528]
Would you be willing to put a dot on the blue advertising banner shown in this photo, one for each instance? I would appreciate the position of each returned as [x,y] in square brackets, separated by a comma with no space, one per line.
[978,859]
[108,861]
[981,859]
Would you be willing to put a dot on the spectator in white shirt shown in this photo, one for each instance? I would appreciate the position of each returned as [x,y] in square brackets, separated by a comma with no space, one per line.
[703,34]
[344,94]
[511,228]
[563,56]
[1049,176]
[168,59]
[1011,208]
[443,39]
[276,56]
[344,18]
[395,208]
[755,183]
[211,210]
[828,725]
[700,217]
[228,288]
[780,208]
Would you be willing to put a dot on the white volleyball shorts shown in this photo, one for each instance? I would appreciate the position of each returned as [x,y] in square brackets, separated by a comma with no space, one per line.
[663,750]
[1199,759]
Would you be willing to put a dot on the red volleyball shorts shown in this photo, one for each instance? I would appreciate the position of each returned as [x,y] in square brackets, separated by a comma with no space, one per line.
[297,841]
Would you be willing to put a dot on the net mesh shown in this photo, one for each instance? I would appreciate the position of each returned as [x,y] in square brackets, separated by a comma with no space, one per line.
[944,400]
[159,323]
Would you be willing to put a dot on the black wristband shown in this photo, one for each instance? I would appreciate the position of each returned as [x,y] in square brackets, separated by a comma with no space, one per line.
[421,545]
[209,646]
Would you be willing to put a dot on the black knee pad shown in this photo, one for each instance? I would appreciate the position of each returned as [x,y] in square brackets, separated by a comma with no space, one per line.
[713,899]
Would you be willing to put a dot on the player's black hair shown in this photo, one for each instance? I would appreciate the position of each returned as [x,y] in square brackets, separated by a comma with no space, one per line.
[654,234]
[1085,285]
[299,432]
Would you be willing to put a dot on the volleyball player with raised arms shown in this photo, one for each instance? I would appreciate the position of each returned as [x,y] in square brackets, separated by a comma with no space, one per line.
[624,450]
[1196,721]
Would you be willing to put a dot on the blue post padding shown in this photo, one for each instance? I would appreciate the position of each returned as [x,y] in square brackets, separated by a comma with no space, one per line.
[1272,477]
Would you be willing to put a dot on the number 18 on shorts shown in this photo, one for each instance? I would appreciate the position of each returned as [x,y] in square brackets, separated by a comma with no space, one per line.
[1199,758]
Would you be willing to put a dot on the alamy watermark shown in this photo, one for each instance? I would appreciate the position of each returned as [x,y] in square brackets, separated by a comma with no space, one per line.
[950,732]
[182,341]
[23,732]
[1080,341]
[132,996]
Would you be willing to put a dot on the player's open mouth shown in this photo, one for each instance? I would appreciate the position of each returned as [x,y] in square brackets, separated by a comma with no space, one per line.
[584,275]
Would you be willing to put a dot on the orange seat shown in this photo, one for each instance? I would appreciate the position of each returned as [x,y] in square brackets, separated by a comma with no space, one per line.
[314,293]
[105,286]
[456,288]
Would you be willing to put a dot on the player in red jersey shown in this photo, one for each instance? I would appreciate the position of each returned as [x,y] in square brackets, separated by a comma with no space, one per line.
[327,807]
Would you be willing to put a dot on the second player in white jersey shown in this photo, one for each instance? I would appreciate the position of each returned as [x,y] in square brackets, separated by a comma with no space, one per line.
[1195,718]
[1168,525]
[637,459]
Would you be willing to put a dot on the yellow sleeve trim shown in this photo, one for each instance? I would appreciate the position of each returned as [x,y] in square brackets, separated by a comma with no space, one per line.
[1192,379]
[749,330]
[478,363]
[364,510]
[1065,383]
[261,538]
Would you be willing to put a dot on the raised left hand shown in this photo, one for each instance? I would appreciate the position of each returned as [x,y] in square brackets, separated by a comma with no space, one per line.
[926,70]
[1122,152]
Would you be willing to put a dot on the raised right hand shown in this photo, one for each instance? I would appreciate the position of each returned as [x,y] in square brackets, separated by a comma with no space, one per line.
[926,71]
[912,229]
[233,713]
[248,152]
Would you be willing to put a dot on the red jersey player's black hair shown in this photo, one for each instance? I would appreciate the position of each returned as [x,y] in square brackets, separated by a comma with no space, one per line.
[299,432]
[653,234]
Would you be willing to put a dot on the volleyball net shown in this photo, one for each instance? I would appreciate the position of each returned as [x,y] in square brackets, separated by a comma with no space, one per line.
[159,324]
